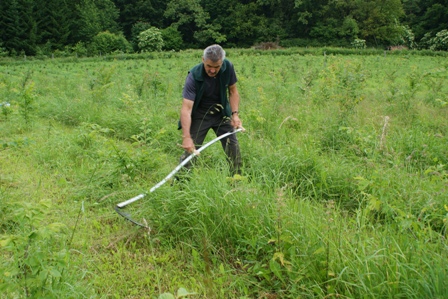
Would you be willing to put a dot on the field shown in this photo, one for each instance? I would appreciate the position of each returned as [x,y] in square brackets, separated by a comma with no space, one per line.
[343,194]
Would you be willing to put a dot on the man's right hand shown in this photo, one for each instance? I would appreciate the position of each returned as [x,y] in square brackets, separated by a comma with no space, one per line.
[188,144]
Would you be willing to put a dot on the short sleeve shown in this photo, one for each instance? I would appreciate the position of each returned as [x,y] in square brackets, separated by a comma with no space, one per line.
[233,78]
[189,91]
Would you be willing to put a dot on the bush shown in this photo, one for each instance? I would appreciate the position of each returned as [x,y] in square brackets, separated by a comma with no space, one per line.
[45,50]
[150,40]
[138,28]
[408,37]
[172,39]
[359,43]
[106,43]
[80,49]
[305,43]
[440,41]
[3,51]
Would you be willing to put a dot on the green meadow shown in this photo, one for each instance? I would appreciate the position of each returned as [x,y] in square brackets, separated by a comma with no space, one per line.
[343,194]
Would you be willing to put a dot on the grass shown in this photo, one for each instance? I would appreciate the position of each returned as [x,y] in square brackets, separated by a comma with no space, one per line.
[343,194]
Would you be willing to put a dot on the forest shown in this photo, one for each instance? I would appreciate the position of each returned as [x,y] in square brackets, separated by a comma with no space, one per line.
[92,27]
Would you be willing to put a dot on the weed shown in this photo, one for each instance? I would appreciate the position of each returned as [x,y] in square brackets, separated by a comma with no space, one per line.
[35,251]
[6,109]
[27,100]
[337,200]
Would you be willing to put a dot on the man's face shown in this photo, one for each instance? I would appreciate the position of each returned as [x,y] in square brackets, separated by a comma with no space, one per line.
[212,67]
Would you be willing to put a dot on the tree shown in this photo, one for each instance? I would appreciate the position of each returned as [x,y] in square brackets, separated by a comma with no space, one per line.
[19,27]
[137,28]
[95,16]
[10,25]
[134,11]
[307,15]
[191,20]
[172,39]
[36,26]
[426,17]
[281,14]
[336,23]
[54,22]
[378,20]
[244,25]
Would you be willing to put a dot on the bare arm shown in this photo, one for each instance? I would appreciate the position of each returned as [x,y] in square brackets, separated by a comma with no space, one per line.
[234,98]
[185,120]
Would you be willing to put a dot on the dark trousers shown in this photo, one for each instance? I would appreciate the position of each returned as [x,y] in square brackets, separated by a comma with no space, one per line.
[200,125]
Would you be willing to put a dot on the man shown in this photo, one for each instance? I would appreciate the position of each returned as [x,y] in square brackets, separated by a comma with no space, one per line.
[211,101]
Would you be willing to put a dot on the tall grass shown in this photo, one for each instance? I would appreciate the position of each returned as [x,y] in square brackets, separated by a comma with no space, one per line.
[343,192]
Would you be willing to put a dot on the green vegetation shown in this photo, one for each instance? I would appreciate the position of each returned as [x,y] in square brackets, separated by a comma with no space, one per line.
[344,193]
[45,28]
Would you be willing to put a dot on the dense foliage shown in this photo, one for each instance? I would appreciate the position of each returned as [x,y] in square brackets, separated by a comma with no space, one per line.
[343,193]
[37,27]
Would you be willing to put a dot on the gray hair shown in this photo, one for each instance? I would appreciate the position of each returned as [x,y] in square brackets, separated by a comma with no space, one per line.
[214,53]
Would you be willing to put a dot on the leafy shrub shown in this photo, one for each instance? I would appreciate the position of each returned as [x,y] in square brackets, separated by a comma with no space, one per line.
[136,29]
[359,43]
[407,37]
[61,53]
[150,40]
[6,109]
[80,49]
[106,42]
[3,51]
[43,51]
[440,41]
[437,42]
[172,39]
[36,254]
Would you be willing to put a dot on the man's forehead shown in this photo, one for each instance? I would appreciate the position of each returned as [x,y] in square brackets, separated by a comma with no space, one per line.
[209,62]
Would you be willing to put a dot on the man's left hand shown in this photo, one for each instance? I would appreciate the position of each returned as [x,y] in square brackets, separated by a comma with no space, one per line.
[236,121]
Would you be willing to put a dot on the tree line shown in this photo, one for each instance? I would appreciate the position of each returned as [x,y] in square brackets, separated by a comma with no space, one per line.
[33,27]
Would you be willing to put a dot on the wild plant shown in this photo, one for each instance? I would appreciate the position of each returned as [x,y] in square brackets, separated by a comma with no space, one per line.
[102,77]
[382,145]
[27,98]
[330,205]
[89,133]
[35,252]
[391,82]
[409,92]
[308,80]
[6,109]
[145,136]
[101,82]
[156,84]
[140,86]
[351,79]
